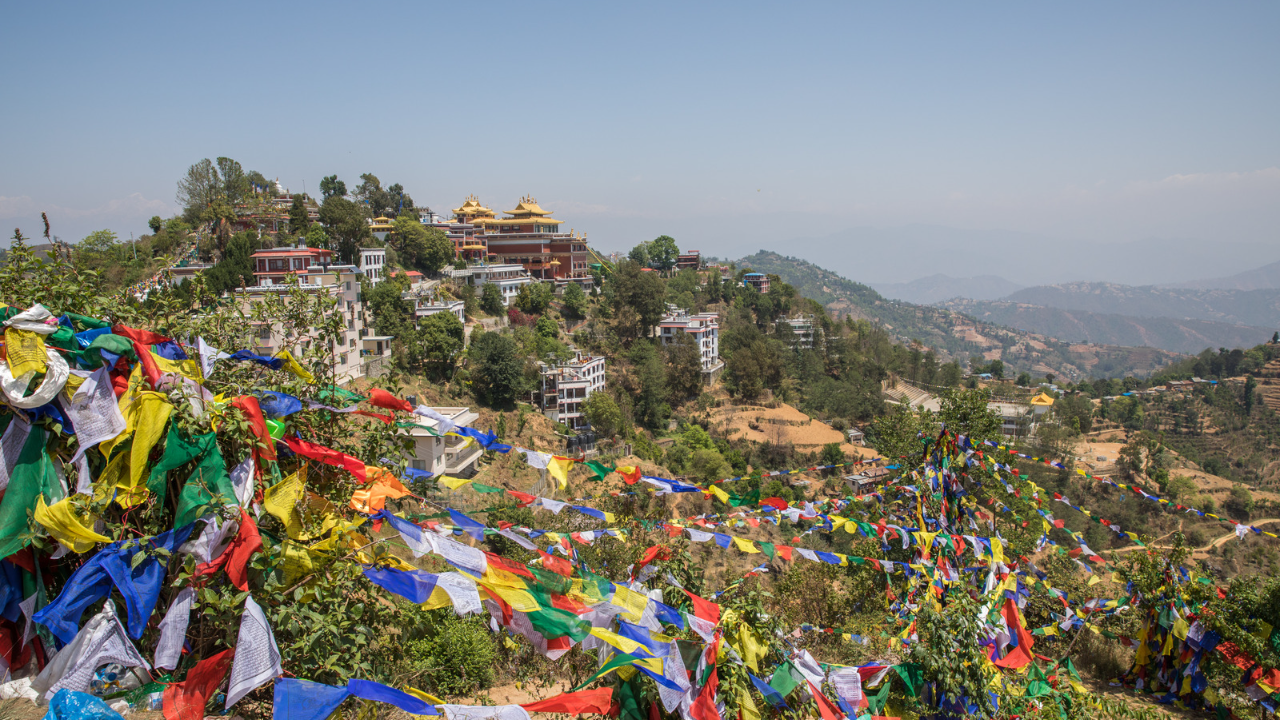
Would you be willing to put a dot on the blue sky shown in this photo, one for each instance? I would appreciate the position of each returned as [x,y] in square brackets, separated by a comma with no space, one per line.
[730,126]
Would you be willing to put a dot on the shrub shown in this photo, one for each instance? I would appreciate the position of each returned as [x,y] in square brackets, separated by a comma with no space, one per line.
[454,655]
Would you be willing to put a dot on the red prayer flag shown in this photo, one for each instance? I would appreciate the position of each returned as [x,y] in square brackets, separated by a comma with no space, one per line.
[1021,655]
[383,399]
[388,419]
[575,703]
[327,456]
[149,367]
[265,448]
[704,609]
[826,707]
[236,556]
[144,337]
[704,707]
[186,700]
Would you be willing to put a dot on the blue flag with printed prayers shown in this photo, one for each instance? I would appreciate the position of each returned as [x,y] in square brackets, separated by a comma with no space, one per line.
[306,700]
[415,586]
[469,526]
[369,690]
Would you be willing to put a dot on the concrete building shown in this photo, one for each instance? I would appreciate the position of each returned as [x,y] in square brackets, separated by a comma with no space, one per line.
[272,265]
[528,236]
[801,327]
[756,280]
[566,386]
[356,352]
[448,455]
[705,330]
[509,278]
[426,307]
[691,260]
[185,271]
[373,263]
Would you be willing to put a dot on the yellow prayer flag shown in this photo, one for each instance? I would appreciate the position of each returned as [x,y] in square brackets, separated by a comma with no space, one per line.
[745,545]
[425,695]
[281,501]
[1094,579]
[558,467]
[452,483]
[185,368]
[719,492]
[631,601]
[624,644]
[748,706]
[997,550]
[293,366]
[25,350]
[65,524]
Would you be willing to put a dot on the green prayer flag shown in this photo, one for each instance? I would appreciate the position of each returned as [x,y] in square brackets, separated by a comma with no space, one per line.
[784,680]
[31,477]
[601,470]
[619,660]
[768,549]
[482,488]
[629,700]
[910,674]
[210,474]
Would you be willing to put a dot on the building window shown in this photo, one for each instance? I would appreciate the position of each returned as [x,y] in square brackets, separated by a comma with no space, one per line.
[419,464]
[264,332]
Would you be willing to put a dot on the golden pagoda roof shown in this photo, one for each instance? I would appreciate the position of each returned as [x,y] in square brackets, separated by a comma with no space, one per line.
[528,206]
[472,206]
[1042,399]
[514,220]
[382,220]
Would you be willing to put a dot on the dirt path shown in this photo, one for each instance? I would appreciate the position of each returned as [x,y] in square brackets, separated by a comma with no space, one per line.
[1196,551]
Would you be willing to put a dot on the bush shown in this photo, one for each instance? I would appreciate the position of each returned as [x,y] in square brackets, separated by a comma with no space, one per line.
[455,656]
[491,299]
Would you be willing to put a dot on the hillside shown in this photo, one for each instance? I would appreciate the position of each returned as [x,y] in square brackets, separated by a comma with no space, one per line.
[936,288]
[1174,335]
[1245,307]
[955,335]
[1263,278]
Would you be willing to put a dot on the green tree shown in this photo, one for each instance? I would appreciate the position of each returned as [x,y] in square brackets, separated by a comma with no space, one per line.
[534,298]
[650,408]
[546,327]
[331,186]
[663,253]
[370,195]
[497,372]
[441,338]
[603,414]
[967,412]
[399,202]
[346,226]
[640,254]
[707,465]
[949,374]
[1239,502]
[420,247]
[200,187]
[684,367]
[235,184]
[638,300]
[752,369]
[574,300]
[317,237]
[155,223]
[1024,379]
[491,299]
[299,223]
[831,454]
[98,242]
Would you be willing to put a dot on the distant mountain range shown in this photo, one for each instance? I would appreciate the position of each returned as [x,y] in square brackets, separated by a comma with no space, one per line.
[1266,277]
[1184,336]
[937,288]
[957,336]
[1259,308]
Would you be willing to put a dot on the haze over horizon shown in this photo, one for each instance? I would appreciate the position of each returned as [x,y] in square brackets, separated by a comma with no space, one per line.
[868,140]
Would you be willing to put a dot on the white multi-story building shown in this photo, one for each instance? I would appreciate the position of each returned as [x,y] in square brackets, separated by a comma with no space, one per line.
[509,278]
[448,454]
[426,307]
[373,263]
[357,351]
[566,386]
[801,326]
[705,329]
